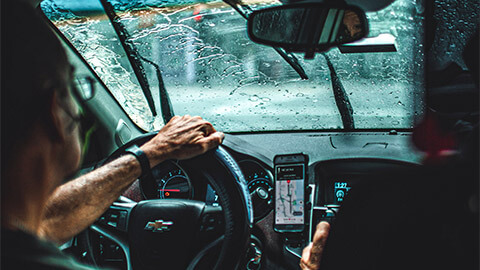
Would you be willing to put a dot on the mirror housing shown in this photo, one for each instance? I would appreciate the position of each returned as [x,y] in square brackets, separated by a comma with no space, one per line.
[380,43]
[307,27]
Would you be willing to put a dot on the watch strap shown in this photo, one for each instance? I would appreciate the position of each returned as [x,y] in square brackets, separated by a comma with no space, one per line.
[141,157]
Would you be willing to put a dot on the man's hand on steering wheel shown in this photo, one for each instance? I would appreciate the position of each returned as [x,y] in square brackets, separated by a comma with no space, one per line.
[182,138]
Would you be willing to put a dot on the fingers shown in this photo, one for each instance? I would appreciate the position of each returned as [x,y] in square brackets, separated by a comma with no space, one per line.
[175,118]
[321,234]
[194,121]
[305,261]
[303,266]
[306,253]
[202,125]
[312,254]
[207,128]
[184,137]
[319,240]
[212,141]
[199,124]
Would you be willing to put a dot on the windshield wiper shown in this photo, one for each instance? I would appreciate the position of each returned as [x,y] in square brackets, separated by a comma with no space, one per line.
[341,97]
[132,53]
[244,11]
[165,104]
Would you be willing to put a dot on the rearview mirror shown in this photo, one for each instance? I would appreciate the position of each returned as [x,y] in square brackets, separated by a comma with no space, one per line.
[307,27]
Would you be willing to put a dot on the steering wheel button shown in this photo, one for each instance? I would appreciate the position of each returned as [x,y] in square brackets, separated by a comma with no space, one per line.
[102,220]
[113,224]
[122,222]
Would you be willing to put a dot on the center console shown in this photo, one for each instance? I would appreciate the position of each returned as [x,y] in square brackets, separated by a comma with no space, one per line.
[329,185]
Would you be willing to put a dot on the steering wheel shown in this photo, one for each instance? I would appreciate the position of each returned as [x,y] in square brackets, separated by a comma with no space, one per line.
[164,233]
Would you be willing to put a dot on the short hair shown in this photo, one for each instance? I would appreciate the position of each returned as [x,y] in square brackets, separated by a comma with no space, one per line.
[34,65]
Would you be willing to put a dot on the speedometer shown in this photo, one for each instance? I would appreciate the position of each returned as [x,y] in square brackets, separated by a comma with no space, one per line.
[174,185]
[171,182]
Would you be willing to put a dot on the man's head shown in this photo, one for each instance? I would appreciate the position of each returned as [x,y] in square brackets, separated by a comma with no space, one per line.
[36,100]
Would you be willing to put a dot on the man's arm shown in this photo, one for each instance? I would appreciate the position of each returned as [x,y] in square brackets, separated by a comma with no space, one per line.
[78,203]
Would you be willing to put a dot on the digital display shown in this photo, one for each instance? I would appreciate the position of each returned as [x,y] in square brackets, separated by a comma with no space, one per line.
[340,191]
[289,194]
[211,197]
[290,172]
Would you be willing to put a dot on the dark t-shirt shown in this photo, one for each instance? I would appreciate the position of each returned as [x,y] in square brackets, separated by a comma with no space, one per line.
[21,250]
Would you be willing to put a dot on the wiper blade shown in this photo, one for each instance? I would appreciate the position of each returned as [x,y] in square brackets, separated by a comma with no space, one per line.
[291,59]
[165,104]
[243,10]
[132,53]
[341,97]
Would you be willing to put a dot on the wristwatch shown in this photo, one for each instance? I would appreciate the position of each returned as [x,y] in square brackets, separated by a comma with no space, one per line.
[141,157]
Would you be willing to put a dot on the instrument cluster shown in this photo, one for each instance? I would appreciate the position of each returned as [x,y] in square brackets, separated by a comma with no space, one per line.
[260,185]
[171,181]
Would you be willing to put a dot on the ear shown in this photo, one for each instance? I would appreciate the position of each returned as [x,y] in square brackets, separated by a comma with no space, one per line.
[56,120]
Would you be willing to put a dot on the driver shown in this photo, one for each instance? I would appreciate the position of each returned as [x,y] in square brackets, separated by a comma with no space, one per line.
[41,147]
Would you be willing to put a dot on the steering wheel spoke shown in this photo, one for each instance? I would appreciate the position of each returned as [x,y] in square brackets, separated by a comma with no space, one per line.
[116,217]
[212,224]
[212,219]
[113,225]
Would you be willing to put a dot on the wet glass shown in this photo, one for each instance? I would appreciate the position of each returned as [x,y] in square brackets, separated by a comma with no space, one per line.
[212,69]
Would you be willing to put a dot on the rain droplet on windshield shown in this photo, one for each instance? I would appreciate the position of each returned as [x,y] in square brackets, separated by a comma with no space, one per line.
[253,98]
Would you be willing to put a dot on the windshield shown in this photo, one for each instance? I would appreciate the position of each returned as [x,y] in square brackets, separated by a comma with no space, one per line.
[211,68]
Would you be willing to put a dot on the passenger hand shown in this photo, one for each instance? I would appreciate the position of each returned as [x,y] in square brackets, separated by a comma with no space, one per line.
[182,138]
[312,254]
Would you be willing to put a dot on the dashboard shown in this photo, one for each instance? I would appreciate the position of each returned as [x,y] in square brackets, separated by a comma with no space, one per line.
[172,181]
[338,162]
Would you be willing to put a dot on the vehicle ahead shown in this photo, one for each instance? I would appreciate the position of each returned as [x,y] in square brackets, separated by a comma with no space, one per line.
[195,58]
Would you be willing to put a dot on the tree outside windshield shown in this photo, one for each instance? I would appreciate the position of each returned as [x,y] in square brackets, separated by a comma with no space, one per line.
[211,68]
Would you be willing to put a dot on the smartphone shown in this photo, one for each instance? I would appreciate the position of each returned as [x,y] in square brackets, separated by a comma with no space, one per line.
[290,184]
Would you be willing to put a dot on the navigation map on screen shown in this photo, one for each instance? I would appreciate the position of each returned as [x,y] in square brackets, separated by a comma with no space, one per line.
[289,194]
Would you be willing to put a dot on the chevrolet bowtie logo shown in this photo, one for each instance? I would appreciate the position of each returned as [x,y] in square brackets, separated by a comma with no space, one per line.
[158,226]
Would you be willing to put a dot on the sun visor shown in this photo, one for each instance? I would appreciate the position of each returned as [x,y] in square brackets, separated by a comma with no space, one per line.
[366,5]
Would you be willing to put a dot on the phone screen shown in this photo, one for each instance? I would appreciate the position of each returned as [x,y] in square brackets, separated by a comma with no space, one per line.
[290,195]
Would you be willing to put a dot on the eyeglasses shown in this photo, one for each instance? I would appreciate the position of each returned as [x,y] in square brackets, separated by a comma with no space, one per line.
[86,126]
[83,89]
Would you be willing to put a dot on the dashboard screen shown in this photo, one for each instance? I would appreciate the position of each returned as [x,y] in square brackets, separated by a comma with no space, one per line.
[289,194]
[340,191]
[338,187]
